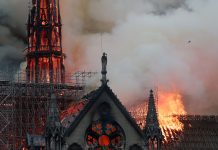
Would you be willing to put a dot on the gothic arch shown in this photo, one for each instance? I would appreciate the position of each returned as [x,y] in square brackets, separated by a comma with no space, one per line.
[135,147]
[75,146]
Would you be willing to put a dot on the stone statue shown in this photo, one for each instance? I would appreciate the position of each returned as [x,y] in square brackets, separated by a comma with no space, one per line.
[104,68]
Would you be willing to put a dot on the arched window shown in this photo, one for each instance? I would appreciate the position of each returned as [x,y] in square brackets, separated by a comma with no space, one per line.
[135,147]
[152,143]
[75,146]
[105,135]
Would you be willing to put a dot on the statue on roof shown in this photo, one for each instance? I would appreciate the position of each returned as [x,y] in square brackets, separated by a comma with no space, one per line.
[104,68]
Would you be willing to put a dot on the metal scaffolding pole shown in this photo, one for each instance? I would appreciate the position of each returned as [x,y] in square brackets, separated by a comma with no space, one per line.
[23,105]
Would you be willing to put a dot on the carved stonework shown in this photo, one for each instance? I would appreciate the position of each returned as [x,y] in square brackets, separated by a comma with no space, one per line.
[153,134]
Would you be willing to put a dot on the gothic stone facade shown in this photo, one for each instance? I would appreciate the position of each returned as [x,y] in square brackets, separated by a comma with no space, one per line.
[99,121]
[104,122]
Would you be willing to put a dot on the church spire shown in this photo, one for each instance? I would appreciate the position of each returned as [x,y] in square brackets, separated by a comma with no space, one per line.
[153,134]
[54,130]
[45,57]
[53,118]
[152,118]
[104,69]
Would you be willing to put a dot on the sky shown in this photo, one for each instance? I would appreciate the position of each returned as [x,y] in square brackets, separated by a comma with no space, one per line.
[169,44]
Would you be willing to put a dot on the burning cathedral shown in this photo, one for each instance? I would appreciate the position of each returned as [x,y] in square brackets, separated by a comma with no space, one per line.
[102,122]
[48,111]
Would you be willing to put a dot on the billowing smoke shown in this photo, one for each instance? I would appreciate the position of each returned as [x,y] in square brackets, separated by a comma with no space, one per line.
[169,43]
[84,20]
[13,14]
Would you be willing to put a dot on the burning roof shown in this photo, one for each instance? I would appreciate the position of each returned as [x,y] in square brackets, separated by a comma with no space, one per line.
[183,131]
[69,115]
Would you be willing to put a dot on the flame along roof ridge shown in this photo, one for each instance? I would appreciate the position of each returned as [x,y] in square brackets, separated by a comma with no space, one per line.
[69,115]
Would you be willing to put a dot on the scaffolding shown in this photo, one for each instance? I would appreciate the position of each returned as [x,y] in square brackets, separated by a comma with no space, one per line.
[23,105]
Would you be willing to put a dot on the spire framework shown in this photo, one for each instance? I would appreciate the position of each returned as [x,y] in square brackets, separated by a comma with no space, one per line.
[44,52]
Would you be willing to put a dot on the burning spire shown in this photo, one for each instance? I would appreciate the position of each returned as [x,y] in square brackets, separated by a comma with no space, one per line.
[44,52]
[153,134]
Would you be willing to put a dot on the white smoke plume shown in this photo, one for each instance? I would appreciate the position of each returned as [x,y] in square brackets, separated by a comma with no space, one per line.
[169,43]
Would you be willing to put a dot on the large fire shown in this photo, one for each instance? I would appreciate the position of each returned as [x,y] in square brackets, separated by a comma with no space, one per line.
[169,105]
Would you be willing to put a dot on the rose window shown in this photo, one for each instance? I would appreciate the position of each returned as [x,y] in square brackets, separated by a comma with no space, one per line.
[105,135]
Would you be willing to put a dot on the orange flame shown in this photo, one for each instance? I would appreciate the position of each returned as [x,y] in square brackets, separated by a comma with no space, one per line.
[170,105]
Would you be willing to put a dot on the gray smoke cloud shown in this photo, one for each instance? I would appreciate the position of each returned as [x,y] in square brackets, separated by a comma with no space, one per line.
[170,44]
[82,17]
[13,14]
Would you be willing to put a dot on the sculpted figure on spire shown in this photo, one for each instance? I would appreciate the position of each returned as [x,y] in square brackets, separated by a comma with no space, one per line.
[104,69]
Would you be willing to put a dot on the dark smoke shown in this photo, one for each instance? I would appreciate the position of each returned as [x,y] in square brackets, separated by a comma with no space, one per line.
[12,34]
[167,6]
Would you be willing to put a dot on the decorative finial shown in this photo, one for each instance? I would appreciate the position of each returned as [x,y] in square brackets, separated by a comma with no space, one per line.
[151,94]
[104,69]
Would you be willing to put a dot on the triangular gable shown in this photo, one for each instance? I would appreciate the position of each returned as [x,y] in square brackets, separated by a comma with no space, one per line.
[93,97]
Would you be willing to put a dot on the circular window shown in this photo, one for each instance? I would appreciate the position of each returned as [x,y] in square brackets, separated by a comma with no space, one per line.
[105,135]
